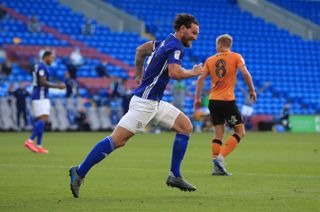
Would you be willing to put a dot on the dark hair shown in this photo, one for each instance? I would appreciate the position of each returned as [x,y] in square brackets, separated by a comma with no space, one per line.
[184,19]
[46,54]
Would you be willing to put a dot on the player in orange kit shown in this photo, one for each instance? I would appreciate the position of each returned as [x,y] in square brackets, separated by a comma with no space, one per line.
[222,68]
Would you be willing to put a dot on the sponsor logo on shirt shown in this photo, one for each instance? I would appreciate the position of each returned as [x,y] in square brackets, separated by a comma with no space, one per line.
[177,54]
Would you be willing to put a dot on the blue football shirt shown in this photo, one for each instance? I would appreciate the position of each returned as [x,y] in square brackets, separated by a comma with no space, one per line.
[155,77]
[38,91]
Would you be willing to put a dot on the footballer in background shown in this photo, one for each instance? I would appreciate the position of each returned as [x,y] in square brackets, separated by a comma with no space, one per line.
[40,101]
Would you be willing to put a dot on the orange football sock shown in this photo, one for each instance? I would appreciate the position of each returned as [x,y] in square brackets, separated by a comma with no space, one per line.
[216,147]
[230,144]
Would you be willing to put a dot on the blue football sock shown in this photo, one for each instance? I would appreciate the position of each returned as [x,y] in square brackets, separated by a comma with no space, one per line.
[179,148]
[99,152]
[40,125]
[35,130]
[33,134]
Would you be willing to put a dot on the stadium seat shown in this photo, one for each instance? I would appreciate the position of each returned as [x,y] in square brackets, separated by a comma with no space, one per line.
[267,59]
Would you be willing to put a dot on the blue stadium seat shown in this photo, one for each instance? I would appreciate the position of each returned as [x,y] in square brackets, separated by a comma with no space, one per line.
[291,73]
[306,9]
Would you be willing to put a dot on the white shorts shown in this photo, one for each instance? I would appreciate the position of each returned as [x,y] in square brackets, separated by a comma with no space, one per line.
[41,107]
[246,110]
[144,111]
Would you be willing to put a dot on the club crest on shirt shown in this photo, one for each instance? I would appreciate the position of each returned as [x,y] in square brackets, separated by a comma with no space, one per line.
[41,73]
[177,54]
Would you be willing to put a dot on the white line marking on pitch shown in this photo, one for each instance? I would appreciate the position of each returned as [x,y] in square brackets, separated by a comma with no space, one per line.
[193,171]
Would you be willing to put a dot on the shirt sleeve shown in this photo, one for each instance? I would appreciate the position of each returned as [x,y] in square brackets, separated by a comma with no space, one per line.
[175,55]
[42,72]
[240,61]
[156,43]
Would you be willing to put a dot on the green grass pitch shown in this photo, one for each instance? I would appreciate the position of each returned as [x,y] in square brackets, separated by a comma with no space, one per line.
[271,172]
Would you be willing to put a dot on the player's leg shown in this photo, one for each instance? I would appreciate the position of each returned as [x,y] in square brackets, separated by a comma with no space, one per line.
[217,141]
[183,128]
[172,118]
[29,143]
[140,113]
[41,110]
[233,140]
[37,132]
[40,126]
[229,146]
[217,160]
[217,118]
[117,139]
[234,119]
[101,150]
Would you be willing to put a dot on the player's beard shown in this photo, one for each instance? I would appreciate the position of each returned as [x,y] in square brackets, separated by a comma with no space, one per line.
[186,42]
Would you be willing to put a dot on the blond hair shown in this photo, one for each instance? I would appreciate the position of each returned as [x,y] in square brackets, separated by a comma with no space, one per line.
[225,40]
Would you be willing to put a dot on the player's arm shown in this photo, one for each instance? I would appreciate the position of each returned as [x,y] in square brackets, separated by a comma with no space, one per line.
[142,52]
[199,87]
[248,79]
[44,82]
[176,71]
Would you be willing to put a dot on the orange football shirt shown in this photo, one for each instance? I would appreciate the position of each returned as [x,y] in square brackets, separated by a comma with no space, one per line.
[222,68]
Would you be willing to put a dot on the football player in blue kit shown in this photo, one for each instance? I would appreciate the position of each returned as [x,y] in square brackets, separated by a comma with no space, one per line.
[40,101]
[146,106]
